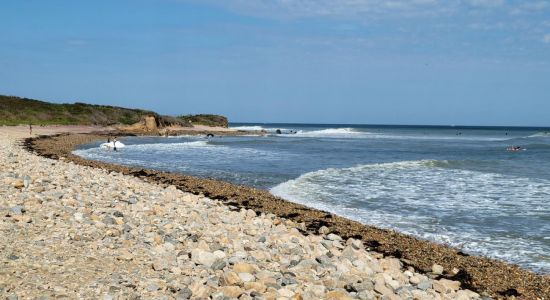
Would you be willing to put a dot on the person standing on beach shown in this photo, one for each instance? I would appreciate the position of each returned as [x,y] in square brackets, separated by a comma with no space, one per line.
[30,129]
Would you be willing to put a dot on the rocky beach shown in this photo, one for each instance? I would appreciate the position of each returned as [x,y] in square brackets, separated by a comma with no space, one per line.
[77,229]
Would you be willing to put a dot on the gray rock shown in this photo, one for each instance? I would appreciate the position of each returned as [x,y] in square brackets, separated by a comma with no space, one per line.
[327,244]
[153,287]
[218,265]
[108,220]
[18,210]
[324,260]
[12,297]
[333,237]
[184,294]
[202,257]
[27,180]
[366,295]
[213,281]
[287,281]
[424,285]
[366,285]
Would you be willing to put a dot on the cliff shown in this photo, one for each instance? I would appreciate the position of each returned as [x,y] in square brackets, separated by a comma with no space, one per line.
[16,110]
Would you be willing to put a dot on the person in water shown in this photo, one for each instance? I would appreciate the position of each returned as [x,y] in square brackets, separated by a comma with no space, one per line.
[114,143]
[514,148]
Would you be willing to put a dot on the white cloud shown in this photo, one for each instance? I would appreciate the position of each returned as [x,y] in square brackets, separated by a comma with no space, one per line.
[486,3]
[377,9]
[546,39]
[530,7]
[311,8]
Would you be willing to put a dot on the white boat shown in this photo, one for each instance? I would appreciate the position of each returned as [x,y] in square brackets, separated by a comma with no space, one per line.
[112,145]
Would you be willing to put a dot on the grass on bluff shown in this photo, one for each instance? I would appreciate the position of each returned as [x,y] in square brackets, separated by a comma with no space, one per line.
[16,110]
[205,119]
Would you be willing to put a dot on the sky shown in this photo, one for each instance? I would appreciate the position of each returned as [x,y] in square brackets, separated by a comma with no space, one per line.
[433,62]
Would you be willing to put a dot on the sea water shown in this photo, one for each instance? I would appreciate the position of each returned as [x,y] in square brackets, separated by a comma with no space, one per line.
[453,185]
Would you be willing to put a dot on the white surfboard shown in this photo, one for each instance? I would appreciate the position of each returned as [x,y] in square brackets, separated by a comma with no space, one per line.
[111,145]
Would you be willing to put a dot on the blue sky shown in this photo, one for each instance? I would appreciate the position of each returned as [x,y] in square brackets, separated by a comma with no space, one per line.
[471,62]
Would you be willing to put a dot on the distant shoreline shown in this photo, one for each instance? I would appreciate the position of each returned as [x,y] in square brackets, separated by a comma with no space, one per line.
[482,274]
[399,126]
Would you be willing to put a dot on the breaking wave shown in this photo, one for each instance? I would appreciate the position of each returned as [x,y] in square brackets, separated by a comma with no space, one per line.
[434,200]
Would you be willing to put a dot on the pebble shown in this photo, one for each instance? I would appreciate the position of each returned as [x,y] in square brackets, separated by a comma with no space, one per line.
[437,269]
[80,232]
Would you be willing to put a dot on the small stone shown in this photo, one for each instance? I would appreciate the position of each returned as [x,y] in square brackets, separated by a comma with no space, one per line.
[19,184]
[218,265]
[243,268]
[153,287]
[414,280]
[125,255]
[78,216]
[444,285]
[437,269]
[334,237]
[109,220]
[381,287]
[246,277]
[202,257]
[160,265]
[285,293]
[357,244]
[424,285]
[232,278]
[231,291]
[18,210]
[184,294]
[23,219]
[27,180]
[324,230]
[108,297]
[337,295]
[256,286]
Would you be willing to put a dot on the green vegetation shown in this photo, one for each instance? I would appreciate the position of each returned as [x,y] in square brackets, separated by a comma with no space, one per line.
[205,119]
[16,111]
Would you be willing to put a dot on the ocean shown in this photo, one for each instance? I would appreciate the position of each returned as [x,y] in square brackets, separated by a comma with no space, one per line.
[457,186]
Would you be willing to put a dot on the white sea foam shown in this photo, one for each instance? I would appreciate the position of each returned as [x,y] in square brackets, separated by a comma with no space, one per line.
[324,133]
[170,146]
[540,134]
[481,213]
[248,128]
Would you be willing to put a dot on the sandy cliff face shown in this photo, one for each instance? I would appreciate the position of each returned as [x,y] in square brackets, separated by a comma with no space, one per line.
[147,124]
[150,123]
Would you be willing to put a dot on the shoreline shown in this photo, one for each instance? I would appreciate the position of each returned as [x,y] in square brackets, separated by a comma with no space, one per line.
[497,278]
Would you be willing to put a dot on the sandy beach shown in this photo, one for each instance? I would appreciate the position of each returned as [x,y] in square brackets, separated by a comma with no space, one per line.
[79,229]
